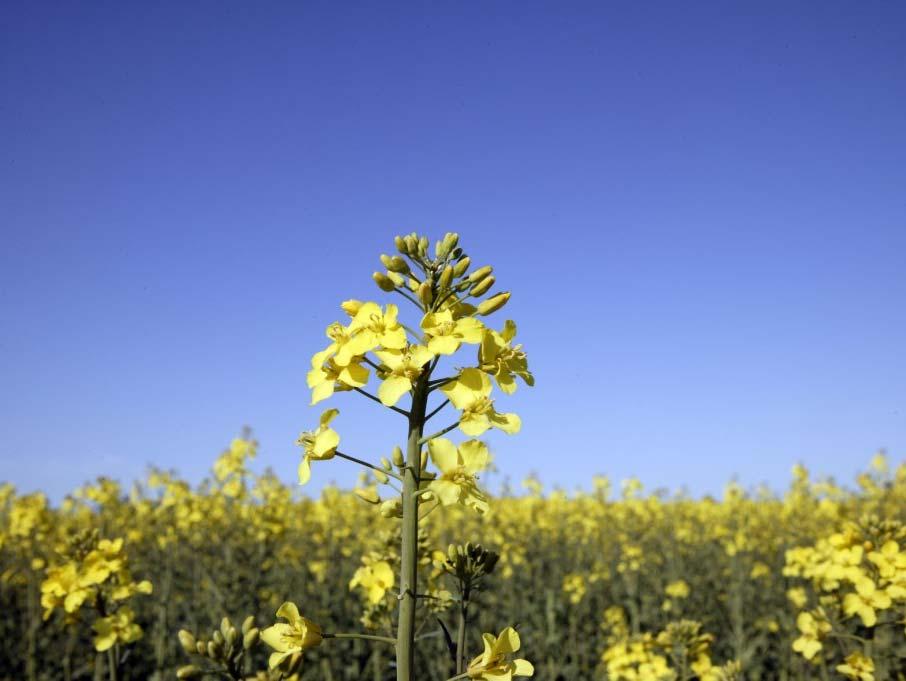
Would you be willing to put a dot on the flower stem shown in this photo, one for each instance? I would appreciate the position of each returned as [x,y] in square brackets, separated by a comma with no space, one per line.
[367,465]
[438,433]
[405,633]
[364,637]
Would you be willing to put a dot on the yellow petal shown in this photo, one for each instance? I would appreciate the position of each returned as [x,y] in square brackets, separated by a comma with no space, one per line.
[443,454]
[392,389]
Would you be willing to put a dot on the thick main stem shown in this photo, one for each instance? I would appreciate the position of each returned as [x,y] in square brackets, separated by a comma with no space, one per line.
[405,633]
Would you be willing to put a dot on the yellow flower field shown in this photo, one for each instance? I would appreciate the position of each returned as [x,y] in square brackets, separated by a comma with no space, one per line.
[810,585]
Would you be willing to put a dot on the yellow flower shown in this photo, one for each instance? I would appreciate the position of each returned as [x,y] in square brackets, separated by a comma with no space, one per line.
[494,663]
[797,596]
[326,375]
[470,393]
[858,666]
[116,628]
[404,367]
[458,465]
[346,344]
[677,589]
[502,361]
[375,579]
[813,630]
[320,444]
[64,587]
[446,333]
[293,636]
[865,601]
[376,328]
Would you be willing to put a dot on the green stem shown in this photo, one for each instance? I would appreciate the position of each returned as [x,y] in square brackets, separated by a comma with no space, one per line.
[364,637]
[438,433]
[405,634]
[377,399]
[367,465]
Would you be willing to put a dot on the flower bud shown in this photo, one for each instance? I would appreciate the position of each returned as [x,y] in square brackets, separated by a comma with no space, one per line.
[412,284]
[480,273]
[383,282]
[248,624]
[351,306]
[397,456]
[381,477]
[394,263]
[214,649]
[225,626]
[423,246]
[251,638]
[450,240]
[482,286]
[385,463]
[392,508]
[460,268]
[187,641]
[425,294]
[423,462]
[400,244]
[411,244]
[367,494]
[445,277]
[190,671]
[218,638]
[493,303]
[201,648]
[231,636]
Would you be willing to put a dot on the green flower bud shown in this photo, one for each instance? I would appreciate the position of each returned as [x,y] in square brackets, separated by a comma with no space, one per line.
[383,282]
[385,463]
[400,244]
[190,671]
[396,279]
[413,284]
[493,303]
[248,624]
[394,263]
[187,641]
[425,294]
[392,508]
[251,638]
[411,241]
[480,273]
[367,494]
[460,268]
[201,648]
[482,286]
[397,455]
[423,246]
[218,638]
[214,650]
[445,277]
[225,626]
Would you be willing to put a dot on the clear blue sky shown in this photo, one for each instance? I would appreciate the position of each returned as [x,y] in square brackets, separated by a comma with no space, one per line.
[700,208]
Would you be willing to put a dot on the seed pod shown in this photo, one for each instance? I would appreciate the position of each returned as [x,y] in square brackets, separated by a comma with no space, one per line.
[480,273]
[460,268]
[248,624]
[187,641]
[397,455]
[493,303]
[482,286]
[251,638]
[190,671]
[425,294]
[445,277]
[383,282]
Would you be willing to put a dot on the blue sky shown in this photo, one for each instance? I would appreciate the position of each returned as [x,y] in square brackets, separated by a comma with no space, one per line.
[699,208]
